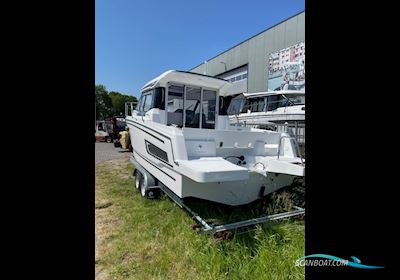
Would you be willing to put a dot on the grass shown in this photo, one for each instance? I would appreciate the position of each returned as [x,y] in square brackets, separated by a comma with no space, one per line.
[138,238]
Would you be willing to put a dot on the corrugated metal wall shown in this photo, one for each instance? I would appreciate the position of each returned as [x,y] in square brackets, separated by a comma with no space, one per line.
[255,52]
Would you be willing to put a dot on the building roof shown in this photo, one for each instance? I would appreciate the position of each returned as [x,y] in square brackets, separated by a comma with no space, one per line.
[250,38]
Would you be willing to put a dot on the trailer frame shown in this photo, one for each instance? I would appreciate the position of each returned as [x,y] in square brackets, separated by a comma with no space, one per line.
[203,225]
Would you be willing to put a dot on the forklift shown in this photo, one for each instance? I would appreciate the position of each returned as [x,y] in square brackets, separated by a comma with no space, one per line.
[108,130]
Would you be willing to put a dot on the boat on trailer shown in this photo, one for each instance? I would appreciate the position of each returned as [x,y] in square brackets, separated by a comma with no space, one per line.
[184,143]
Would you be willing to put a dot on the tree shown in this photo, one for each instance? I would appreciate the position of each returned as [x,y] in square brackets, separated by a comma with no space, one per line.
[118,102]
[103,103]
[110,104]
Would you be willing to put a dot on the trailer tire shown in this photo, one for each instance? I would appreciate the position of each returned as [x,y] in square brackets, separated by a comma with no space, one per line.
[109,140]
[138,179]
[144,191]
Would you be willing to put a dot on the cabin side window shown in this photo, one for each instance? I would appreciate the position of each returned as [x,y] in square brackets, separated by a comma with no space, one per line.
[159,98]
[260,104]
[224,103]
[281,101]
[255,104]
[246,106]
[296,99]
[192,107]
[273,102]
[175,105]
[208,109]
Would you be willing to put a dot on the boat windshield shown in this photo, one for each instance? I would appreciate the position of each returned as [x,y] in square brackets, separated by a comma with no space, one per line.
[150,99]
[235,106]
[296,99]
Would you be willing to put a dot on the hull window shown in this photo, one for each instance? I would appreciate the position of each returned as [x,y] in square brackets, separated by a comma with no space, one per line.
[156,151]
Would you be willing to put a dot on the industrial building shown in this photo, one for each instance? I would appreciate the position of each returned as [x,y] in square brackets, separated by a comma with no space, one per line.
[269,60]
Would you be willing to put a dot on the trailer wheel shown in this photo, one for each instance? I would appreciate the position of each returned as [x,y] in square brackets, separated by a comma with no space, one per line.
[108,139]
[143,191]
[139,183]
[150,193]
[138,177]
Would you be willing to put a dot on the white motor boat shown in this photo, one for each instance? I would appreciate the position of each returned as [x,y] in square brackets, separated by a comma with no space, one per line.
[182,139]
[282,110]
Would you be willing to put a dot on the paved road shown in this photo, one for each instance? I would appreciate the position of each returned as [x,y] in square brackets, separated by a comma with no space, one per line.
[107,151]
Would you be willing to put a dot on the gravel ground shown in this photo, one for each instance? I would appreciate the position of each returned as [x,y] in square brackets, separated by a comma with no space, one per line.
[107,151]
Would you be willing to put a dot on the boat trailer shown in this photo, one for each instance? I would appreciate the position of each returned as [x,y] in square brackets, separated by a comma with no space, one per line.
[217,228]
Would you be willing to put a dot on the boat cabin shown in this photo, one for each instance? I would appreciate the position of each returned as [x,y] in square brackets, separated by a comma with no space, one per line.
[183,99]
[265,101]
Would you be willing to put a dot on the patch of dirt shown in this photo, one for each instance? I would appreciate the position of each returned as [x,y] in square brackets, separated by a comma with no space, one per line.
[103,205]
[100,274]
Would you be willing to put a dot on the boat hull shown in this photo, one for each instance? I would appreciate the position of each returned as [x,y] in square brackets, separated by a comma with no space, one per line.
[230,193]
[237,192]
[167,171]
